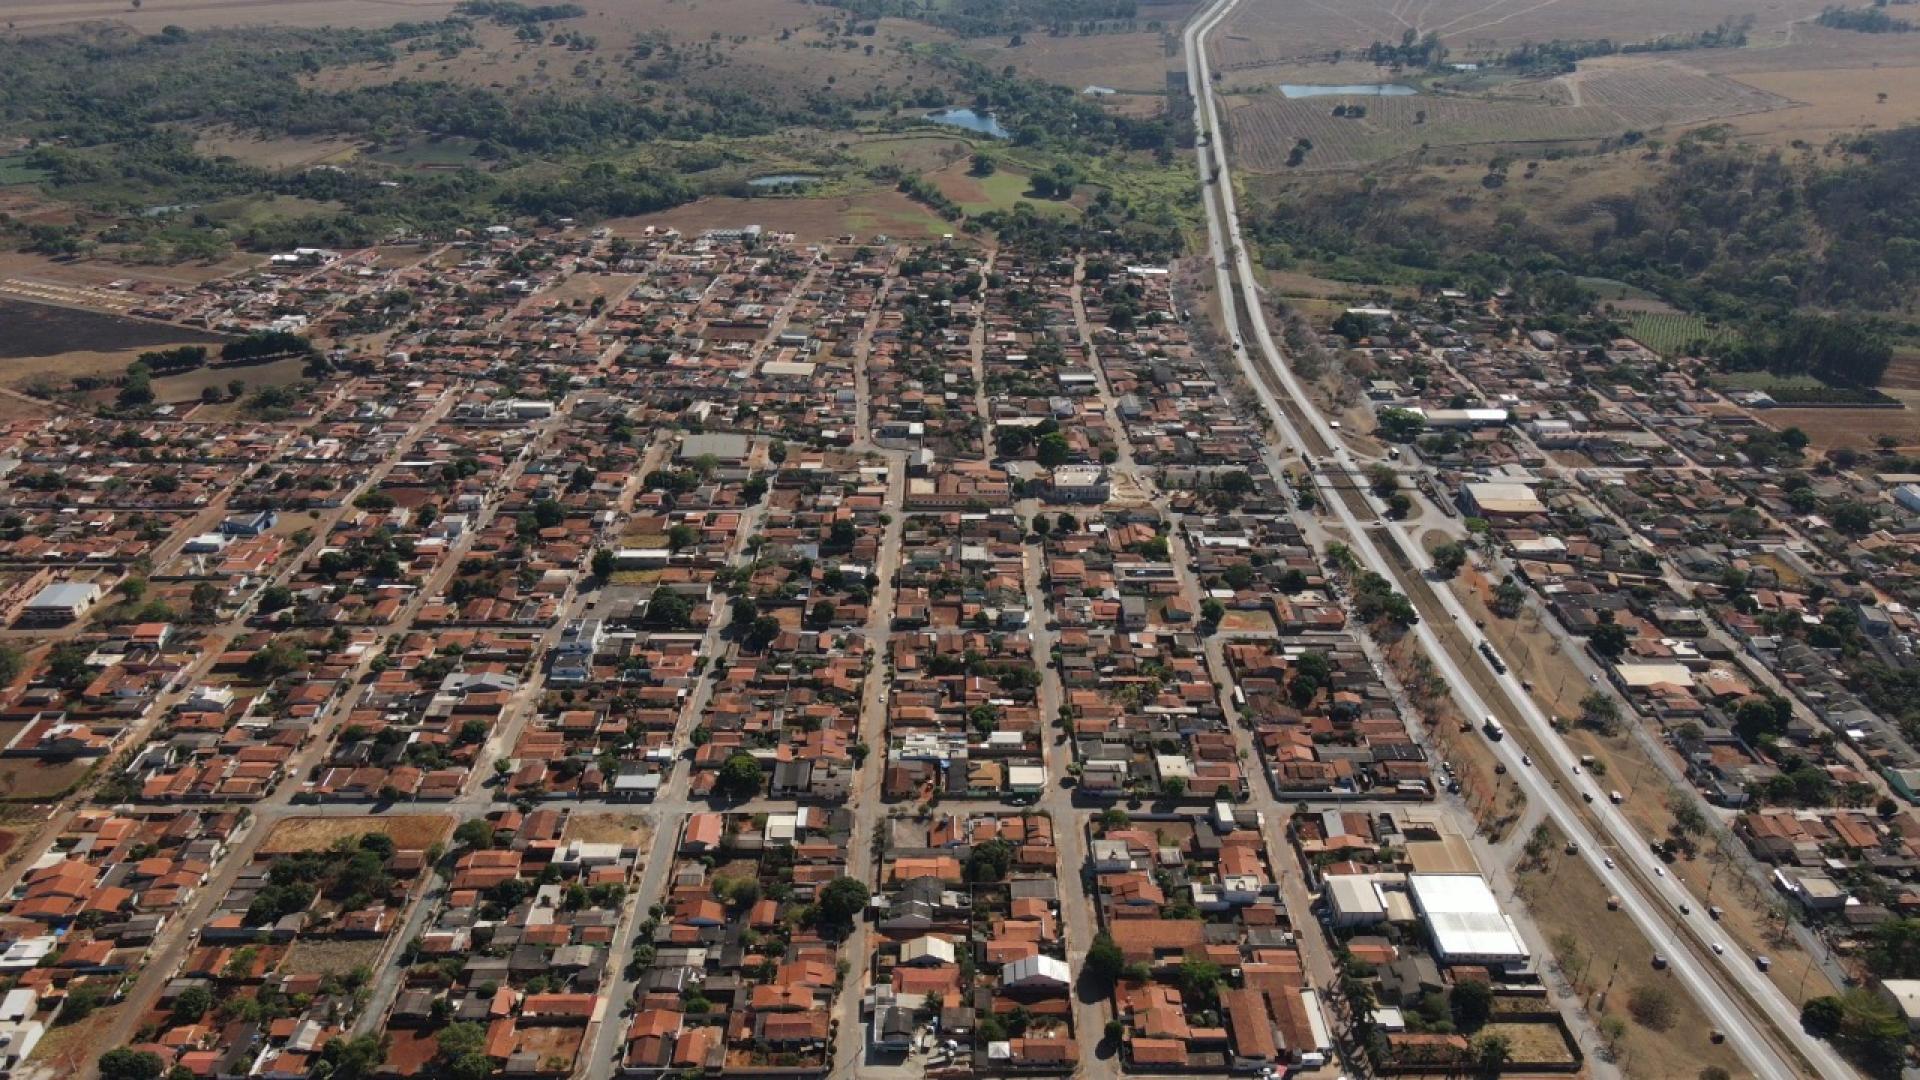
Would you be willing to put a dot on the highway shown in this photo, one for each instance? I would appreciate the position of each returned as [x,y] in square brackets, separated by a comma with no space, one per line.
[1729,988]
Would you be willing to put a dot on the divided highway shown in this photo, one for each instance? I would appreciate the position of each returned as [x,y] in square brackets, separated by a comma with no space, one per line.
[1729,987]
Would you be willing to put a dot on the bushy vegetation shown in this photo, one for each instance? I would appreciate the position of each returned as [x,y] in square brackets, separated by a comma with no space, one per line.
[1559,57]
[1867,20]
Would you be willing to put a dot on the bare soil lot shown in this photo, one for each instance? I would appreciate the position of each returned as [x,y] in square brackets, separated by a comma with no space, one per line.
[629,829]
[409,832]
[32,781]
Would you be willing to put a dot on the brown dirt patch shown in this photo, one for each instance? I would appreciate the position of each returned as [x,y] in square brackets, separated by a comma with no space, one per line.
[1830,429]
[409,832]
[34,781]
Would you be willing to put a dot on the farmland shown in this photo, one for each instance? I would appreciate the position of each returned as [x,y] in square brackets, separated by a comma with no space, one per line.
[1672,333]
[1260,34]
[1642,96]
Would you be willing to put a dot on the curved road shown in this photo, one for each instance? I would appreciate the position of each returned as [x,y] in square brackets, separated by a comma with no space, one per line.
[1724,990]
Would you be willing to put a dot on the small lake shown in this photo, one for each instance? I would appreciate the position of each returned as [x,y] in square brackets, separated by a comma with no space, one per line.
[1300,90]
[983,123]
[785,180]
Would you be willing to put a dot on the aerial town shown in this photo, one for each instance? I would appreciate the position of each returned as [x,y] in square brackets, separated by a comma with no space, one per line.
[715,654]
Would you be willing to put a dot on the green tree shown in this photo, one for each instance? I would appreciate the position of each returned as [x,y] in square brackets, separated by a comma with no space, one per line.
[1105,961]
[842,899]
[1821,1016]
[125,1064]
[1400,425]
[989,861]
[1471,1004]
[603,564]
[739,777]
[191,1004]
[1053,450]
[1448,558]
[1609,639]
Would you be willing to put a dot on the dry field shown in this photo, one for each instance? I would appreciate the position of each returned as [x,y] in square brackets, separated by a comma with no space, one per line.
[204,14]
[1830,429]
[735,44]
[282,153]
[1647,95]
[409,832]
[1568,902]
[811,220]
[1293,30]
[1134,62]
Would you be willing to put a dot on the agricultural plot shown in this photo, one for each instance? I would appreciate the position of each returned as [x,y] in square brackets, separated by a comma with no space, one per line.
[1671,333]
[1604,103]
[1471,29]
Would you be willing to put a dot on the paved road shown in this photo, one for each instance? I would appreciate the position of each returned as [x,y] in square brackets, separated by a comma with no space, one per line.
[1727,991]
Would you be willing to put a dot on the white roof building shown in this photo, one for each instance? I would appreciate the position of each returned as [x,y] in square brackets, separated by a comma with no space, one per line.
[927,951]
[1464,919]
[1036,971]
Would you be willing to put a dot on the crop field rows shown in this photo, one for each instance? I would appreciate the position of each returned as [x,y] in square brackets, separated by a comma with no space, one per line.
[1669,333]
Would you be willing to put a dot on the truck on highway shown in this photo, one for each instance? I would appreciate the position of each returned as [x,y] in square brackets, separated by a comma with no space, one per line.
[1492,729]
[1493,658]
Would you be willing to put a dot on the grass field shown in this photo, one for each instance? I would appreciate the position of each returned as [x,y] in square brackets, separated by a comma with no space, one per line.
[982,194]
[409,832]
[15,170]
[1671,333]
[31,781]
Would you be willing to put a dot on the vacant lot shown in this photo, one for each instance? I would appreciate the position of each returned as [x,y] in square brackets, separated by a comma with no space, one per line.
[313,956]
[1134,62]
[42,330]
[34,781]
[630,829]
[409,831]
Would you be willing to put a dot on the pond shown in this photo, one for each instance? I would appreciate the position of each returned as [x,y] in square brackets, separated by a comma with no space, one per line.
[1300,90]
[983,123]
[785,180]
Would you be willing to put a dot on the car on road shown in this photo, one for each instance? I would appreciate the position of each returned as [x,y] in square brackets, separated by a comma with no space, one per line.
[1526,759]
[1718,948]
[1587,795]
[1659,871]
[1609,861]
[1660,961]
[1685,908]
